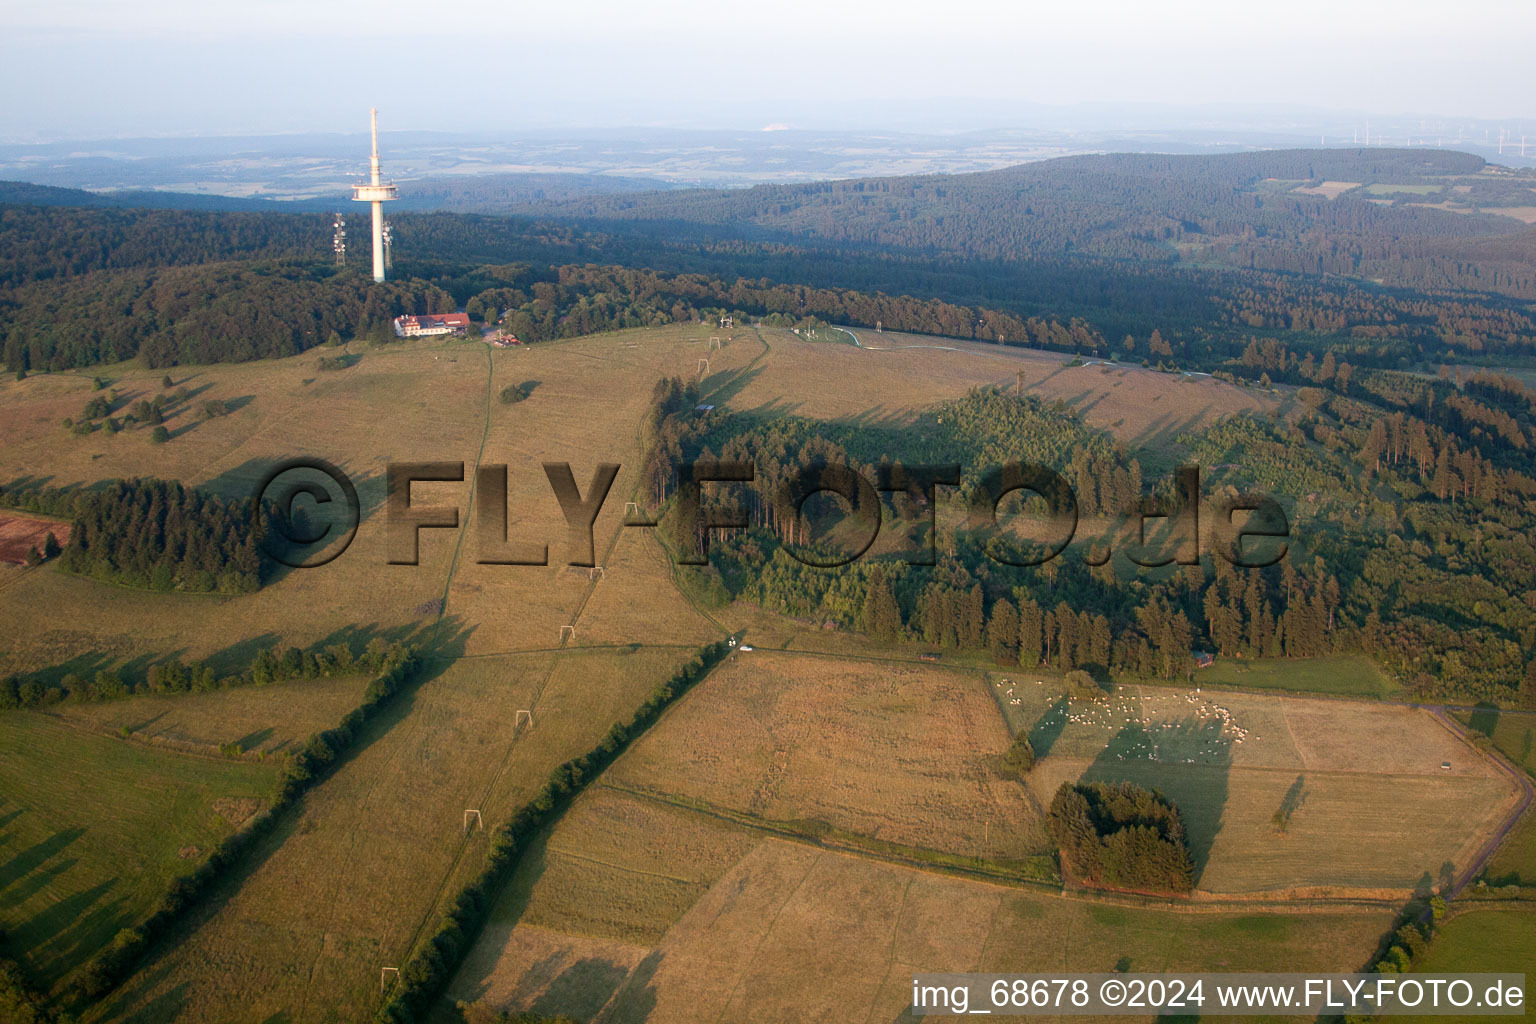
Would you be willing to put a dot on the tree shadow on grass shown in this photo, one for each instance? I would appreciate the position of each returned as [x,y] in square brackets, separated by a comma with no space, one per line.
[719,388]
[252,740]
[57,923]
[85,665]
[581,990]
[164,1007]
[507,906]
[237,657]
[1189,761]
[35,856]
[635,1000]
[1048,728]
[1484,719]
[83,938]
[31,884]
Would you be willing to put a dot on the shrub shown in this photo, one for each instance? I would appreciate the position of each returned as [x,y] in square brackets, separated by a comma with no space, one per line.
[1021,755]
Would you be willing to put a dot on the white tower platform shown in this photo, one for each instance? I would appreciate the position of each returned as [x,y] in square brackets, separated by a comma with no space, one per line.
[377,193]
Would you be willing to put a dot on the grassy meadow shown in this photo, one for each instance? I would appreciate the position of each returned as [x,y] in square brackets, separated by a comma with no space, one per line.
[632,910]
[93,828]
[1230,759]
[441,405]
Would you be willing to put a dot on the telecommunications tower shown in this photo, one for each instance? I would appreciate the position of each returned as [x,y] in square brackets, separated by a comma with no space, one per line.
[377,193]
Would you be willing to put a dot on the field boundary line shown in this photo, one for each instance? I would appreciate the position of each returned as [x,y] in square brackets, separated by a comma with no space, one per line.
[1295,743]
[538,691]
[1203,903]
[890,959]
[22,574]
[618,533]
[485,433]
[997,702]
[763,937]
[786,831]
[1519,777]
[710,658]
[572,855]
[469,838]
[495,780]
[594,648]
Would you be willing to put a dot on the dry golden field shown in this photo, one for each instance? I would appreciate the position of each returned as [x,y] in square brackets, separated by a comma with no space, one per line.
[791,932]
[405,403]
[1141,407]
[795,836]
[901,753]
[585,410]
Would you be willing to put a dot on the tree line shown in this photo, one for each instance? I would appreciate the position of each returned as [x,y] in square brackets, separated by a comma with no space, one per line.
[156,534]
[173,676]
[396,666]
[433,963]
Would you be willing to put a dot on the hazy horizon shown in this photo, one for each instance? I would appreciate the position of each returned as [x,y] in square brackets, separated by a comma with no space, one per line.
[90,69]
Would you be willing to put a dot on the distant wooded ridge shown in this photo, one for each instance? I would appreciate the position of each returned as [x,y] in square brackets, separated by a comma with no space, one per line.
[1214,253]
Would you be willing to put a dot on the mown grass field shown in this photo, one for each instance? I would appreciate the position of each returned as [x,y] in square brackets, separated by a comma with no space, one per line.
[899,374]
[1514,734]
[1499,939]
[901,753]
[93,829]
[344,888]
[1228,760]
[1514,863]
[1345,675]
[791,932]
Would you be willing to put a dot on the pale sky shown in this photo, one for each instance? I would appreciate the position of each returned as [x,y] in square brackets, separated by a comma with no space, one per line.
[87,68]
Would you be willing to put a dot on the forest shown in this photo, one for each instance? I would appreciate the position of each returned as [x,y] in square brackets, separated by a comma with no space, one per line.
[1433,581]
[155,534]
[1085,254]
[1134,207]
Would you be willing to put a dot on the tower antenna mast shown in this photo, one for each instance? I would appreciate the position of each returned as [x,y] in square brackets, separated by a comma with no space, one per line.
[376,193]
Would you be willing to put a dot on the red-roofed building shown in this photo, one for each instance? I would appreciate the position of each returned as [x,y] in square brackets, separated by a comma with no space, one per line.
[429,324]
